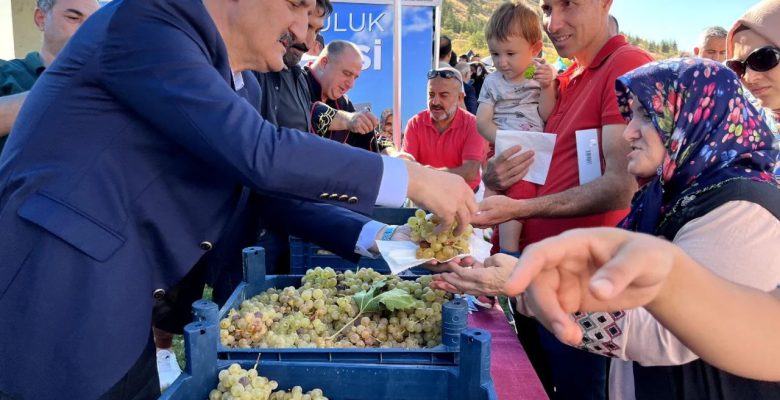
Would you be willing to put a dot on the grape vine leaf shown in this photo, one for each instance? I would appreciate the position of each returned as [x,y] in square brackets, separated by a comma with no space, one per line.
[397,299]
[365,298]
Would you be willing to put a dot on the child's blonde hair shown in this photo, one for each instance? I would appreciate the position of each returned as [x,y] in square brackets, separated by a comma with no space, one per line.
[514,18]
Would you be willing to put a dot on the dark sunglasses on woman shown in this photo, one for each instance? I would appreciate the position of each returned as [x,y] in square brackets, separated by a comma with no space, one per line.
[760,60]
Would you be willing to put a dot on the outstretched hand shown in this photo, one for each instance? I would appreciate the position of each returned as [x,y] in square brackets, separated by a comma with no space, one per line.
[467,275]
[494,210]
[599,269]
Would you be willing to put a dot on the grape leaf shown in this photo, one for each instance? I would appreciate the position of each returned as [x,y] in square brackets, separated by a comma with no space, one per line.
[367,298]
[397,299]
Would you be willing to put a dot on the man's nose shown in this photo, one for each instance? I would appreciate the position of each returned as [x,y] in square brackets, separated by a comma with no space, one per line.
[553,22]
[299,27]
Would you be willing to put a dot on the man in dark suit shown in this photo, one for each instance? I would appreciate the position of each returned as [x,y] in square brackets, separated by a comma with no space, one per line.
[126,167]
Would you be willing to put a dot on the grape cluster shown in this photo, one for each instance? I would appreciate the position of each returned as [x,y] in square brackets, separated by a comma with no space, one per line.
[236,383]
[323,314]
[442,246]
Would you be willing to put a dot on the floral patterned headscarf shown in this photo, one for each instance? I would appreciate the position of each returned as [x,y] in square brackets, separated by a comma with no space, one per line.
[711,132]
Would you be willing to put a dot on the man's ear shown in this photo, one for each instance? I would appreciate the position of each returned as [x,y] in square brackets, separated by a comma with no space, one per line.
[39,17]
[696,51]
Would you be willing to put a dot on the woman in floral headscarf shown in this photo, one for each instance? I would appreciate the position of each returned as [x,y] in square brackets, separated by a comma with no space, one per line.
[705,157]
[709,158]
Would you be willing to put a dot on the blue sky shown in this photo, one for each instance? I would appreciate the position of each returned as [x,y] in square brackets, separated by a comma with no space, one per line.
[681,20]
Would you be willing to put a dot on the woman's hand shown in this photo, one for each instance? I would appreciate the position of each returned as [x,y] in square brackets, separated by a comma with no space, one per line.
[600,269]
[470,276]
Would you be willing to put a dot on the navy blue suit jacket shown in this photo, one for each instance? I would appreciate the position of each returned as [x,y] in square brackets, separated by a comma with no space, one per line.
[125,167]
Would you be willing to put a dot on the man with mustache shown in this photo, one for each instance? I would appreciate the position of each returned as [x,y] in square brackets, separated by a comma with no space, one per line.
[330,77]
[286,97]
[286,102]
[108,199]
[445,136]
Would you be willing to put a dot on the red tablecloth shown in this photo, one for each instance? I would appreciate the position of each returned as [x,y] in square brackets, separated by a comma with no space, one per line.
[513,375]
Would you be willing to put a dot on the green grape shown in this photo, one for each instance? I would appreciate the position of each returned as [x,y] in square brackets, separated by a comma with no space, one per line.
[529,73]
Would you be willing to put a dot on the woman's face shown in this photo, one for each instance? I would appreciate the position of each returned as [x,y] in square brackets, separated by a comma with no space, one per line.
[764,85]
[647,149]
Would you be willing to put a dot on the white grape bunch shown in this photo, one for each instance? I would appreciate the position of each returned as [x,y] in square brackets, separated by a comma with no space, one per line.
[323,313]
[443,245]
[236,383]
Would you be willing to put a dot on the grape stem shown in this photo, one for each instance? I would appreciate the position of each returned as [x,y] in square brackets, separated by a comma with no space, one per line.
[360,313]
[257,361]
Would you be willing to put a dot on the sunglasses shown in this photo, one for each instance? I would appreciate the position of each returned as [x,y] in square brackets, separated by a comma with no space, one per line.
[447,74]
[760,60]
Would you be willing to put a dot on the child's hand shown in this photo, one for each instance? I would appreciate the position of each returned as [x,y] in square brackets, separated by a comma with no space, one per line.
[545,73]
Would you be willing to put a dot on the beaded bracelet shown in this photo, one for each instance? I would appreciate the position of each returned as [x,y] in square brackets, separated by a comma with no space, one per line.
[389,232]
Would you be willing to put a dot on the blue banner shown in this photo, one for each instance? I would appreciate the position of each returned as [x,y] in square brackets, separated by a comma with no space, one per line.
[370,27]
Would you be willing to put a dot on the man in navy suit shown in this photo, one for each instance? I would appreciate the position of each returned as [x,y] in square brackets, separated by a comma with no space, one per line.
[126,167]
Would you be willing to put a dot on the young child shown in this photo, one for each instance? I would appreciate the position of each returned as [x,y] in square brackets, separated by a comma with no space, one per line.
[519,96]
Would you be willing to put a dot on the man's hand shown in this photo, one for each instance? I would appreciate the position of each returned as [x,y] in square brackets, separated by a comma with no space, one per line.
[494,210]
[470,276]
[392,152]
[362,122]
[442,193]
[599,269]
[9,110]
[404,156]
[502,172]
[545,74]
[401,233]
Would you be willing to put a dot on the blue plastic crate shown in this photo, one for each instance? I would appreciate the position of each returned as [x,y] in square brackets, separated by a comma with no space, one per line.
[470,380]
[454,320]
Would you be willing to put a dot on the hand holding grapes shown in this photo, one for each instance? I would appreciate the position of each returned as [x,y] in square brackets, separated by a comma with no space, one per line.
[470,276]
[435,240]
[545,73]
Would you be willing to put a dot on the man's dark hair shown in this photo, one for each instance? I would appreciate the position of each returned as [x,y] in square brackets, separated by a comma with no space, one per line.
[321,40]
[326,7]
[445,48]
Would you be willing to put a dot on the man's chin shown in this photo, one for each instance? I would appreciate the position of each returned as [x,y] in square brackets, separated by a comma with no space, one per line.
[272,65]
[292,58]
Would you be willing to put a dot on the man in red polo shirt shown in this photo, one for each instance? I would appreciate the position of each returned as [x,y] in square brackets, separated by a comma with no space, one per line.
[445,136]
[586,102]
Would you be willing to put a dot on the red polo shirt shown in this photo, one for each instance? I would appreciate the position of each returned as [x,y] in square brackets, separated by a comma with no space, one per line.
[585,101]
[461,142]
